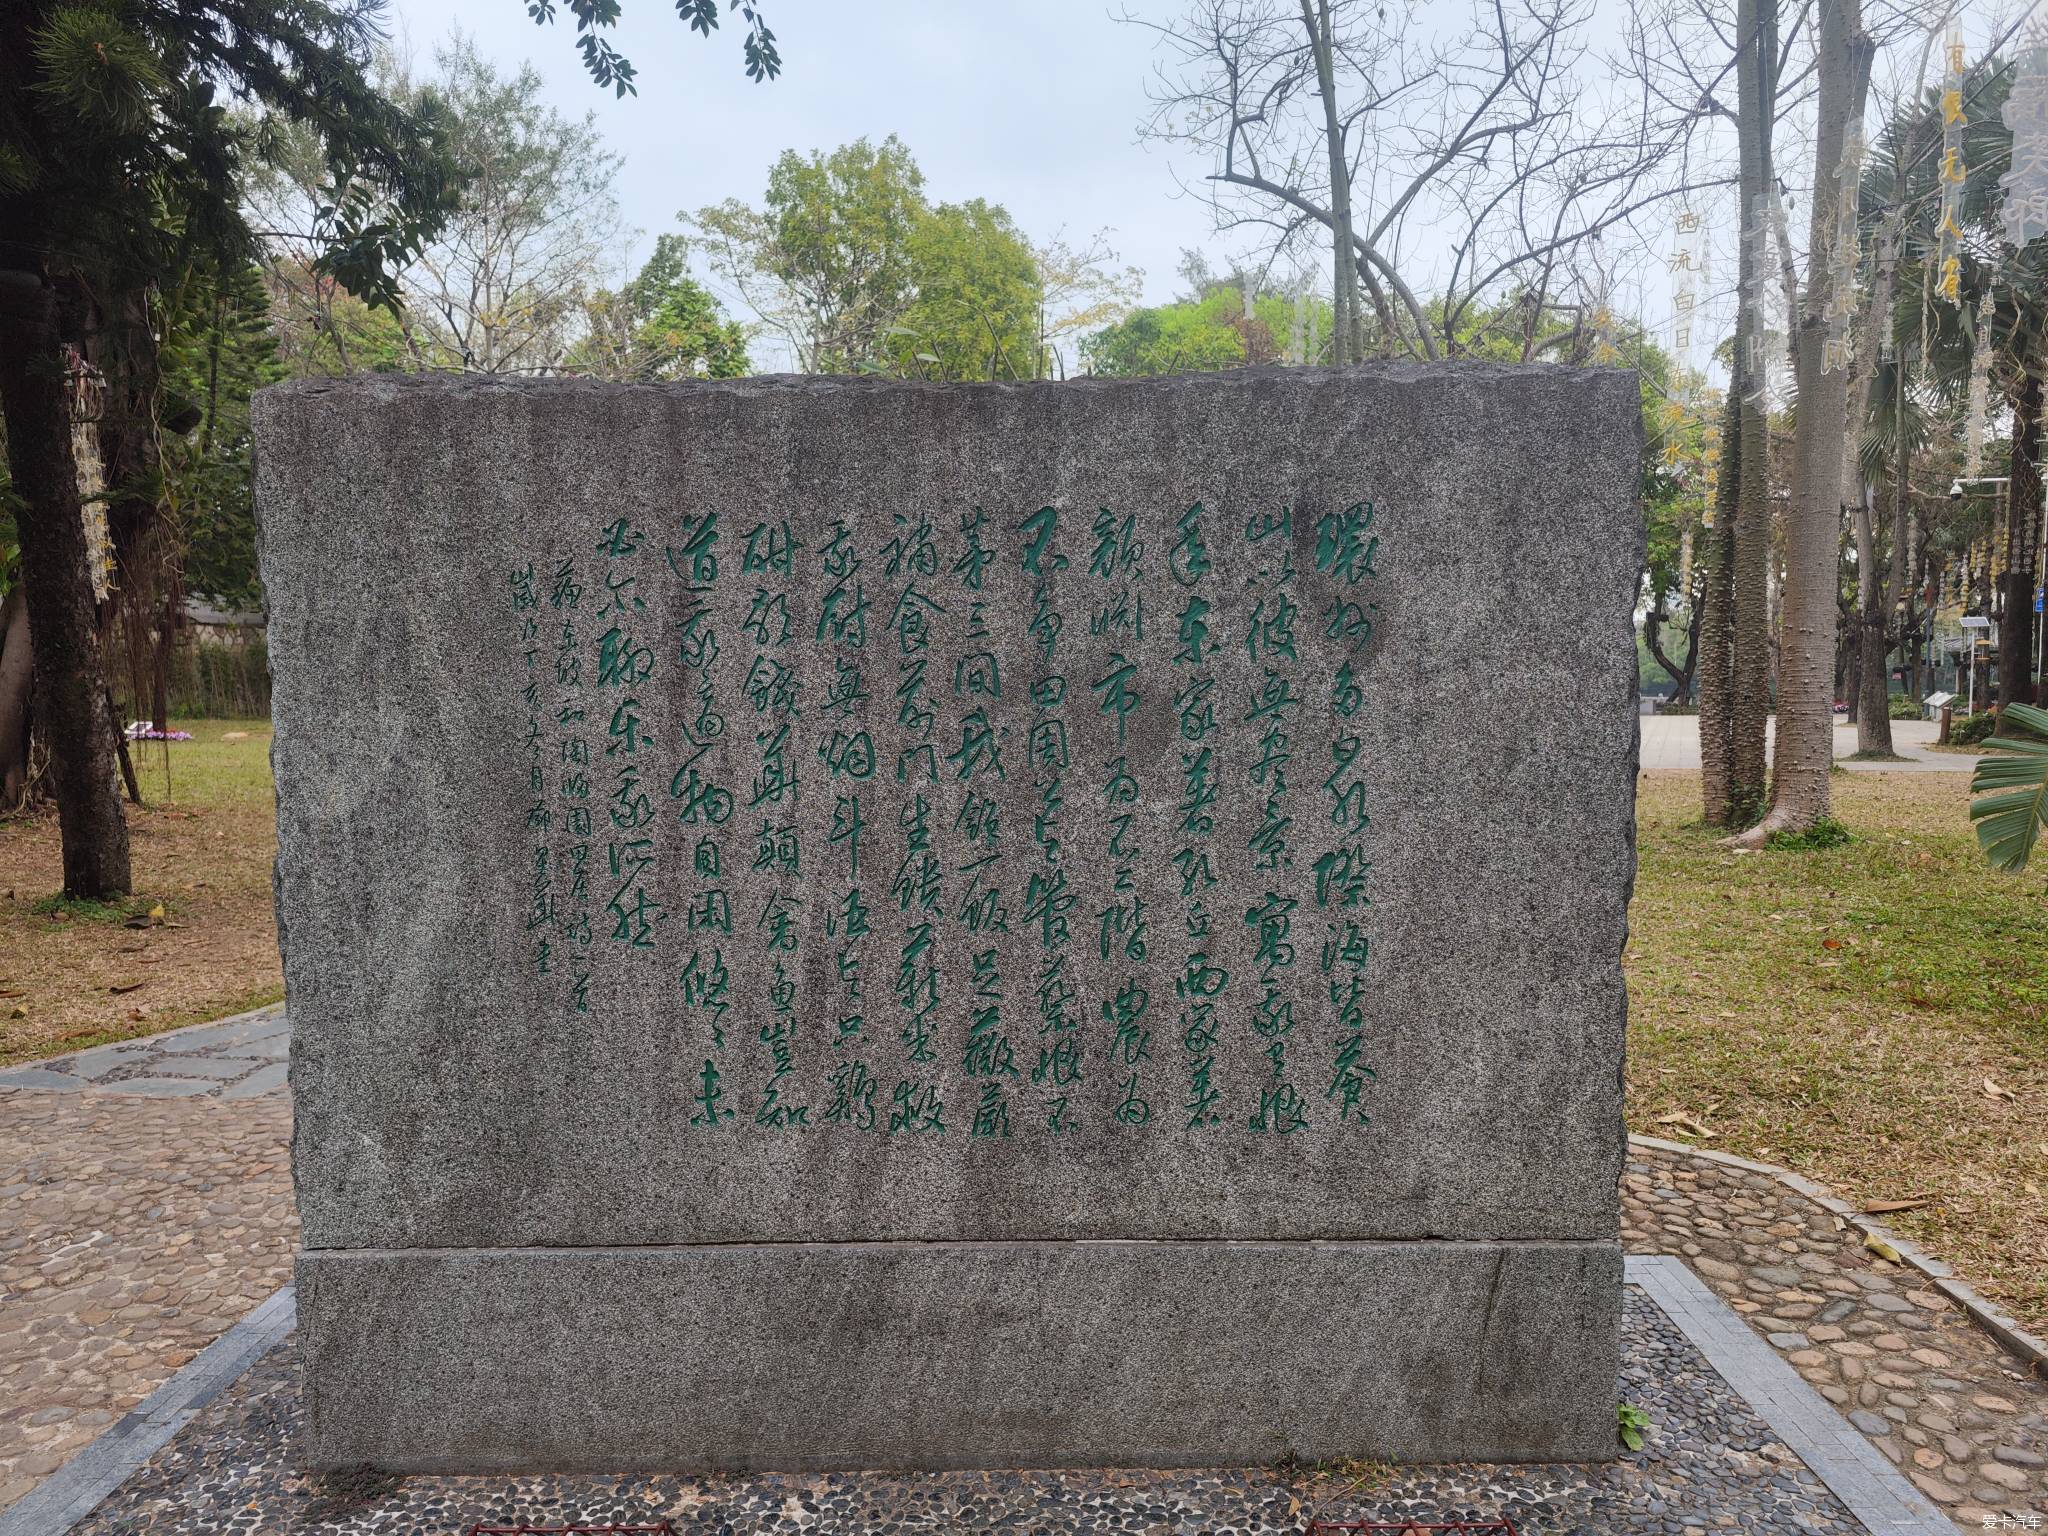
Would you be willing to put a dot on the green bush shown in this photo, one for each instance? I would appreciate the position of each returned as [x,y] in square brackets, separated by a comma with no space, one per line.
[1904,708]
[1971,729]
[221,681]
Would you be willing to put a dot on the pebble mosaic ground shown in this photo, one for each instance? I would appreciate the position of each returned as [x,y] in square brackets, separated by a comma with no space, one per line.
[1711,1466]
[135,1229]
[1943,1402]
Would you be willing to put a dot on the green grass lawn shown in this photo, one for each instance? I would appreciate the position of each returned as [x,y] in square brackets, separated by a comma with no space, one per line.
[1874,1015]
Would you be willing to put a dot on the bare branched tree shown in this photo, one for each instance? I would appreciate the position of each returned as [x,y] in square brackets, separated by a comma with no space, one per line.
[1443,167]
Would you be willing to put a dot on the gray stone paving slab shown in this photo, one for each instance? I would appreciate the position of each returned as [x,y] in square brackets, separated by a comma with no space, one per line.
[230,1051]
[40,1077]
[220,1068]
[102,1059]
[1883,1500]
[157,1087]
[267,1079]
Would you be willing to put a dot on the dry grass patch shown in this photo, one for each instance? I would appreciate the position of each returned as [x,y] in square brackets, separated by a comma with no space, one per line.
[78,975]
[1874,1015]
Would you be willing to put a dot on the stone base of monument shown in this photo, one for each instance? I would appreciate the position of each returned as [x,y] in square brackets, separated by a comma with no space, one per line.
[1737,1442]
[814,1356]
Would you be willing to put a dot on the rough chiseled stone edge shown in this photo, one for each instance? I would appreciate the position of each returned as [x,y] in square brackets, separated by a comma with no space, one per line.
[1835,1453]
[1986,1314]
[104,1463]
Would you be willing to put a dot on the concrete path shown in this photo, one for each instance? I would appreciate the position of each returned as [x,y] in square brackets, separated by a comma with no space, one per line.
[244,1057]
[1673,741]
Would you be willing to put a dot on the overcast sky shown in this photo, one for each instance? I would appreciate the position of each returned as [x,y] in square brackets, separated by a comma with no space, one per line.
[1034,106]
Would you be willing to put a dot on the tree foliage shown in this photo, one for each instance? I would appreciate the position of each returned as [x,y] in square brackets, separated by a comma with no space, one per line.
[663,324]
[857,271]
[1207,330]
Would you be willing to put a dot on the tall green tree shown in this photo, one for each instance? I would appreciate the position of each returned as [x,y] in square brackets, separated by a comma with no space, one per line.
[661,325]
[118,170]
[826,260]
[974,301]
[857,272]
[500,286]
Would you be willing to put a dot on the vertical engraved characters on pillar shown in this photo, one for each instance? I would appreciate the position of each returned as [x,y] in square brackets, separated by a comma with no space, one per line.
[565,598]
[1048,899]
[540,880]
[1201,981]
[702,806]
[625,662]
[772,692]
[1120,926]
[845,745]
[1270,711]
[1345,547]
[987,1056]
[916,1103]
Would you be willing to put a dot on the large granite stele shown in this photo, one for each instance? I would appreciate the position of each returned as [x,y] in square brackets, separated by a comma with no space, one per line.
[834,923]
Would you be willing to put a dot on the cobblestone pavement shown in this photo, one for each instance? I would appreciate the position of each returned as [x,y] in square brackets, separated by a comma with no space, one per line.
[133,1233]
[239,1058]
[1934,1392]
[1712,1465]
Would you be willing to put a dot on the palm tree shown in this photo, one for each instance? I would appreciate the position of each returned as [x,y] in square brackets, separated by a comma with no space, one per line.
[2012,786]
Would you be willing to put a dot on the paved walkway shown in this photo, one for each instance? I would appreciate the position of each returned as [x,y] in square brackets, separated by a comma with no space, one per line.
[1933,1391]
[1673,741]
[140,1222]
[145,1207]
[240,1058]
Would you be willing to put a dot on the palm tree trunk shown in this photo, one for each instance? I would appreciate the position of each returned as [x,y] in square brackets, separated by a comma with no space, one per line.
[2022,518]
[1803,752]
[1714,671]
[1749,683]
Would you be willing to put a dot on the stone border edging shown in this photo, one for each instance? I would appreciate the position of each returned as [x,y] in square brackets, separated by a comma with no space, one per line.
[75,1490]
[1849,1465]
[1986,1314]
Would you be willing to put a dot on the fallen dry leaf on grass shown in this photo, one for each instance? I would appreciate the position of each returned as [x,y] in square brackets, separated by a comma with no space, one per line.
[1687,1123]
[1886,1207]
[1881,1248]
[127,986]
[1993,1090]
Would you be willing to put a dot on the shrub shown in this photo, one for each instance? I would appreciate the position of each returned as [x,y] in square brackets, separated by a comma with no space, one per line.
[1904,708]
[1971,729]
[216,680]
